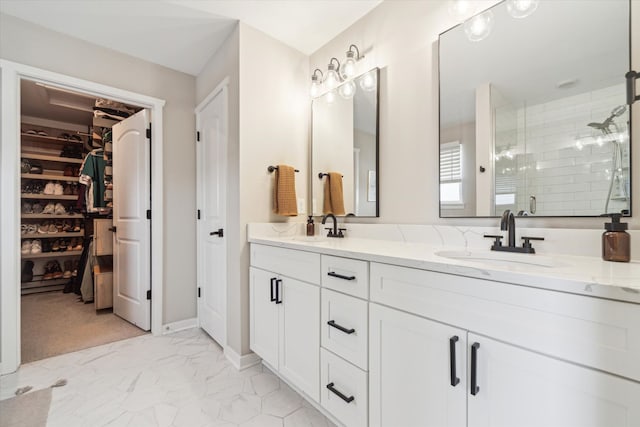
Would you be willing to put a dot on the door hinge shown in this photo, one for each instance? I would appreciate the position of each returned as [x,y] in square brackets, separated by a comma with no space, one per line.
[198,213]
[198,292]
[148,213]
[149,132]
[197,135]
[149,294]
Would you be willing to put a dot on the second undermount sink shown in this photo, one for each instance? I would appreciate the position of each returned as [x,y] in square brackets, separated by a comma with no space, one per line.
[500,258]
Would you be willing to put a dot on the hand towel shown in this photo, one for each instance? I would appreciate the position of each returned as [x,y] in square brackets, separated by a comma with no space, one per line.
[333,196]
[285,201]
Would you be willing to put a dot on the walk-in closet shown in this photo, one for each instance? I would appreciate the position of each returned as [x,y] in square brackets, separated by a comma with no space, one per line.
[67,226]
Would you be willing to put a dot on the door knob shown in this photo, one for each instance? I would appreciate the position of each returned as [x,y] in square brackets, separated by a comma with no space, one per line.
[219,233]
[112,228]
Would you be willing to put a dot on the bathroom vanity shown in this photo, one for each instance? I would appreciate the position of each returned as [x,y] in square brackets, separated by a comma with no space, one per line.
[396,333]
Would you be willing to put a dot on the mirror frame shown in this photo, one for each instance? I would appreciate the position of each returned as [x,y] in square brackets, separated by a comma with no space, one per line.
[313,177]
[627,214]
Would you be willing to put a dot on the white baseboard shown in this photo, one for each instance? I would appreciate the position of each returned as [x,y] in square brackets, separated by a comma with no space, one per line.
[180,325]
[241,362]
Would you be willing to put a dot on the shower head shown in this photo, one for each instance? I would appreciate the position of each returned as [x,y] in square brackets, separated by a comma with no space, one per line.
[616,112]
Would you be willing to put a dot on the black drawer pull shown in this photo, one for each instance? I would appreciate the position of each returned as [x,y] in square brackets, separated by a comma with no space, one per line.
[340,395]
[273,297]
[278,296]
[452,360]
[474,368]
[332,323]
[340,276]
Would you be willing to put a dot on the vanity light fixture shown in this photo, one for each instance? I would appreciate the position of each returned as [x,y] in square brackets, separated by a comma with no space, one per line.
[479,27]
[349,64]
[316,83]
[332,79]
[521,8]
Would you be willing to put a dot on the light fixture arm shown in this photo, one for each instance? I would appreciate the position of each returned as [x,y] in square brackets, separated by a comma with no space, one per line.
[314,76]
[358,57]
[337,69]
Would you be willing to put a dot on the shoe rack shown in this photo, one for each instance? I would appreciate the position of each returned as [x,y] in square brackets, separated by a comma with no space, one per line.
[52,230]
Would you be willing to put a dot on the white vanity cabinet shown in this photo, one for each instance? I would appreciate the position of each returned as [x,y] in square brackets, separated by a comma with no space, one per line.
[285,314]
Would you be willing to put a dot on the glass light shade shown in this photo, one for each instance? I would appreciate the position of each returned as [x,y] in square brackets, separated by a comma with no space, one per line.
[479,27]
[332,79]
[461,8]
[347,89]
[368,81]
[521,8]
[316,88]
[348,67]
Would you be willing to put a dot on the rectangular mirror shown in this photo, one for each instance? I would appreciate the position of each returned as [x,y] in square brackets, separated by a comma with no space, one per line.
[345,140]
[533,115]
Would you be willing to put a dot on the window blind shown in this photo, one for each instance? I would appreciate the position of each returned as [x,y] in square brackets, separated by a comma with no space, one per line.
[451,162]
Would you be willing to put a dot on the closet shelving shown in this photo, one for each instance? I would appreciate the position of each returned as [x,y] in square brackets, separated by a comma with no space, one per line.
[47,152]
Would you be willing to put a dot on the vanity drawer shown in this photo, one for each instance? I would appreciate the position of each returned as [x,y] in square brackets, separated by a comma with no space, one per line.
[350,382]
[291,263]
[350,276]
[348,335]
[595,332]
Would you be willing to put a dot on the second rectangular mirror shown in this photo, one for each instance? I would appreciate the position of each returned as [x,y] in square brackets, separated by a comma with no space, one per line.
[345,141]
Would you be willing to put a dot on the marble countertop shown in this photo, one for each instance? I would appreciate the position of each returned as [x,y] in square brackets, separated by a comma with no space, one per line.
[584,275]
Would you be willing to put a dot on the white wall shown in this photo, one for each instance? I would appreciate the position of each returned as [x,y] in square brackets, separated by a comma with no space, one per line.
[274,128]
[33,45]
[401,38]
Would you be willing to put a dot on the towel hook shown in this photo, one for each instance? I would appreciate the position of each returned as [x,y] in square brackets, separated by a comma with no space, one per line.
[274,168]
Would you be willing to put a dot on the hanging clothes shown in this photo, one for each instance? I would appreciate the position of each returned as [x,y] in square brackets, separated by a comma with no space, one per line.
[92,176]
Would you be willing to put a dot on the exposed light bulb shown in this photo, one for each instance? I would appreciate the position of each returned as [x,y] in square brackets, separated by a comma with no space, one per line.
[332,79]
[521,8]
[347,89]
[461,8]
[368,81]
[348,66]
[479,27]
[316,87]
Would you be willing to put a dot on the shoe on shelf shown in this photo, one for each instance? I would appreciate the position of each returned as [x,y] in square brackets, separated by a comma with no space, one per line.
[56,246]
[43,228]
[27,208]
[26,247]
[49,208]
[58,189]
[68,190]
[51,228]
[78,245]
[49,188]
[32,228]
[46,245]
[67,270]
[76,226]
[48,272]
[27,272]
[59,209]
[37,208]
[57,270]
[36,169]
[42,133]
[36,246]
[67,226]
[24,229]
[74,271]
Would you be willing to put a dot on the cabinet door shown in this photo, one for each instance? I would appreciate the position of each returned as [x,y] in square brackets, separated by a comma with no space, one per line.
[410,375]
[300,335]
[102,237]
[263,315]
[517,387]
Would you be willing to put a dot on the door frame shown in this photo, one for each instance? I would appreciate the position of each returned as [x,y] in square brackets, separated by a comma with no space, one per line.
[223,89]
[10,75]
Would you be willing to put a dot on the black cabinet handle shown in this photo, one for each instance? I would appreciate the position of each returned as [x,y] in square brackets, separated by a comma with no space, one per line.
[340,395]
[332,323]
[219,233]
[340,276]
[474,368]
[278,297]
[273,297]
[452,360]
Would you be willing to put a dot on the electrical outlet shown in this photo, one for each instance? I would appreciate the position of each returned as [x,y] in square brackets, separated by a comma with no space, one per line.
[301,205]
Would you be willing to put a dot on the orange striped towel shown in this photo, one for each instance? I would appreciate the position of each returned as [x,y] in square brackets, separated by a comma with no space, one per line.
[333,195]
[285,201]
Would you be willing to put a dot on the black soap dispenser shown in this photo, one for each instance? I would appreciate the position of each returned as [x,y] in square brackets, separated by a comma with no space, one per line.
[616,242]
[311,227]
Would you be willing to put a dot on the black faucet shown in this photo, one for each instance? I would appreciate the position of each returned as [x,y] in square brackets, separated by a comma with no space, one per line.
[508,224]
[335,231]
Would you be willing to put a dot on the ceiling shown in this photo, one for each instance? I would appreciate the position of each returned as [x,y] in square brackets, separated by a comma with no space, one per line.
[184,34]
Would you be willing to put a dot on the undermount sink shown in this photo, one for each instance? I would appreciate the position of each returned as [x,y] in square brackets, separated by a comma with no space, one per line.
[500,258]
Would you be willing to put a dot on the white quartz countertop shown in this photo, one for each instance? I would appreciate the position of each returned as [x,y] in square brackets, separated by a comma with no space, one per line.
[558,272]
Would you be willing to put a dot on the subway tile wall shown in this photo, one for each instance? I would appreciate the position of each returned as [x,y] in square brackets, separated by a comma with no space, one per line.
[548,151]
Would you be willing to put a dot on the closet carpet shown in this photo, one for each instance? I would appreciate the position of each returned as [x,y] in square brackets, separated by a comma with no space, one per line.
[55,323]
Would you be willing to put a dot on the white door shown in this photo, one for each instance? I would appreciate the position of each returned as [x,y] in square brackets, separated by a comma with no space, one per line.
[131,251]
[299,356]
[516,387]
[411,380]
[263,315]
[211,122]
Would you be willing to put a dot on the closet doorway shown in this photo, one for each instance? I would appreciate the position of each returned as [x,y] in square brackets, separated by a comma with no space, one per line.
[52,237]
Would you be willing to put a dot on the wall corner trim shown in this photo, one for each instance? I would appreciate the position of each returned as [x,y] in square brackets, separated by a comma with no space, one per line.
[241,362]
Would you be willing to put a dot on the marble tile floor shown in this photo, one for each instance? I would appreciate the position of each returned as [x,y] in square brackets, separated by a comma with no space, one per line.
[176,380]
